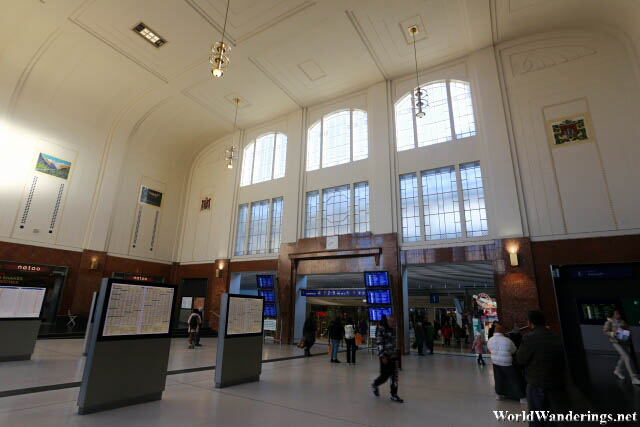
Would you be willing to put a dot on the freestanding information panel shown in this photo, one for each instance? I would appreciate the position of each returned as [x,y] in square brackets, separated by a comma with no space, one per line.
[239,353]
[129,345]
[20,310]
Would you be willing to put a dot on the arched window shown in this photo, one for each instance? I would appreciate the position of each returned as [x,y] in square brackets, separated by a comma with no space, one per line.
[339,137]
[449,115]
[265,159]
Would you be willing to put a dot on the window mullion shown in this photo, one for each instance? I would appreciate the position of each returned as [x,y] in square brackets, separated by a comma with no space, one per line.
[245,250]
[269,219]
[319,207]
[463,221]
[273,158]
[321,141]
[421,204]
[253,165]
[350,135]
[352,208]
[451,121]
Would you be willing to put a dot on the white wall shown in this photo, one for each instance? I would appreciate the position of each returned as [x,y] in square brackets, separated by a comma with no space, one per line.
[581,189]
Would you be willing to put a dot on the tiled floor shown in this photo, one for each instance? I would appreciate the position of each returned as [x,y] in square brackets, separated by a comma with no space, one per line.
[438,391]
[60,361]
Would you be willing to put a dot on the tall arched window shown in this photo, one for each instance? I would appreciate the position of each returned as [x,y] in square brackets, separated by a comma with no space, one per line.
[339,137]
[265,159]
[449,115]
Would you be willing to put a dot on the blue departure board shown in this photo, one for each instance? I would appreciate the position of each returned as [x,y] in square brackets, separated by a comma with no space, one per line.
[375,313]
[376,279]
[270,310]
[264,281]
[380,296]
[268,294]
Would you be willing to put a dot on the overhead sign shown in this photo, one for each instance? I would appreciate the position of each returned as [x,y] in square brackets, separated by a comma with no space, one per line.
[333,293]
[27,268]
[434,299]
[374,279]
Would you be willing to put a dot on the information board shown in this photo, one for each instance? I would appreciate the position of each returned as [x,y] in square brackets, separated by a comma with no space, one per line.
[380,296]
[137,310]
[265,281]
[270,310]
[270,324]
[347,293]
[269,295]
[375,313]
[18,302]
[244,316]
[187,302]
[376,279]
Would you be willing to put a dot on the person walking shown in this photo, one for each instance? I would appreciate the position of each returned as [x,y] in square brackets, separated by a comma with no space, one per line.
[620,338]
[506,379]
[429,334]
[350,338]
[336,333]
[193,325]
[197,339]
[478,347]
[309,333]
[418,330]
[388,354]
[542,355]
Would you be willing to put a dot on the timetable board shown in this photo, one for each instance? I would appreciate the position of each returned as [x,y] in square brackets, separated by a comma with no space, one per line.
[270,310]
[379,296]
[133,310]
[18,302]
[265,281]
[269,295]
[244,316]
[375,313]
[376,279]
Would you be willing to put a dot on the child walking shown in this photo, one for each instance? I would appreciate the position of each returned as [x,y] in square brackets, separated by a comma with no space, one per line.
[478,347]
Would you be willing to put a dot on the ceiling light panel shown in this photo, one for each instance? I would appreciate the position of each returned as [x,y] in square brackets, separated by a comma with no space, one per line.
[149,35]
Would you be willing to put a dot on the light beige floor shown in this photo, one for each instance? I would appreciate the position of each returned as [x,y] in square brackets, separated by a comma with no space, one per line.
[60,361]
[438,391]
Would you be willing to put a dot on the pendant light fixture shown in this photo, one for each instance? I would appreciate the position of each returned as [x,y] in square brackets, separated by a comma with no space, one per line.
[419,96]
[219,58]
[231,151]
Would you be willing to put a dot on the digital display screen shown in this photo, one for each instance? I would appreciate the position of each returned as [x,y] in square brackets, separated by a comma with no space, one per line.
[269,295]
[270,310]
[375,313]
[264,281]
[21,302]
[381,296]
[137,310]
[376,279]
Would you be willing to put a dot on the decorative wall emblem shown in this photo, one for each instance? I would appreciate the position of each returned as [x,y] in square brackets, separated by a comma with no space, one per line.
[546,57]
[150,197]
[53,166]
[570,130]
[205,204]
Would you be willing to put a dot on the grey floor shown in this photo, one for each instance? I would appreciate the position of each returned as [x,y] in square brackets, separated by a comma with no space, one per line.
[439,390]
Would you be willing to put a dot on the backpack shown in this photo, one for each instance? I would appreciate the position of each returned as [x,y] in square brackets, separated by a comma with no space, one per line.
[193,322]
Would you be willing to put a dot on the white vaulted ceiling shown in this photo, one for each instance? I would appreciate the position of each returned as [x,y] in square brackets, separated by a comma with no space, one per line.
[76,65]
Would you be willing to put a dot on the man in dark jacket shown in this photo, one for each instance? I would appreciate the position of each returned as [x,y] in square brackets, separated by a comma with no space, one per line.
[418,330]
[336,333]
[542,356]
[309,333]
[388,353]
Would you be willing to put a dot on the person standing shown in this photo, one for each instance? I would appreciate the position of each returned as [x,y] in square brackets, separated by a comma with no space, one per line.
[198,333]
[515,335]
[309,333]
[418,330]
[193,324]
[506,379]
[363,329]
[542,355]
[388,354]
[336,332]
[492,329]
[446,335]
[350,338]
[620,338]
[478,347]
[429,334]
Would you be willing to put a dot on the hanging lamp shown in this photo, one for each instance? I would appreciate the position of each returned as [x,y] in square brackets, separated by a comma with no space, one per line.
[230,152]
[420,95]
[219,57]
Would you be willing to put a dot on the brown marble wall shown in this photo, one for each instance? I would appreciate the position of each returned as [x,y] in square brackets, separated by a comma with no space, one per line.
[577,251]
[350,257]
[254,265]
[216,285]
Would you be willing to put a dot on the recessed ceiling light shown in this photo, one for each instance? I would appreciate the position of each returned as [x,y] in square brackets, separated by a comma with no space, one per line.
[149,35]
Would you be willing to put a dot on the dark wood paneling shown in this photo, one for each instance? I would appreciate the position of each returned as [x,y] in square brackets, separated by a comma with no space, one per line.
[597,250]
[254,265]
[41,255]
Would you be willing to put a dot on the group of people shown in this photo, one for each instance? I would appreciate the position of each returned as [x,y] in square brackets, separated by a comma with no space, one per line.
[425,334]
[350,331]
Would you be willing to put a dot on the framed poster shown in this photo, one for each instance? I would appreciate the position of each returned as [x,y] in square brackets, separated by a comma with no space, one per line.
[53,166]
[570,130]
[151,197]
[244,315]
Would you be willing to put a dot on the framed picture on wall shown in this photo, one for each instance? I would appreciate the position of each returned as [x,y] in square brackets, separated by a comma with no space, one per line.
[570,130]
[151,197]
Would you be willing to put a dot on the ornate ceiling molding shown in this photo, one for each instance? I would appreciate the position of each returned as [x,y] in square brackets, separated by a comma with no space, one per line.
[546,57]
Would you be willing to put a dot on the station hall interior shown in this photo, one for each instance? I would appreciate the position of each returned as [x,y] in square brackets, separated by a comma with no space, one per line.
[275,168]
